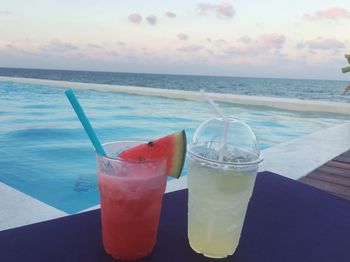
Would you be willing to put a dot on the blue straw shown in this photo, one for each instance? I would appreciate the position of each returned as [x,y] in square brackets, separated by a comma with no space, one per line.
[84,121]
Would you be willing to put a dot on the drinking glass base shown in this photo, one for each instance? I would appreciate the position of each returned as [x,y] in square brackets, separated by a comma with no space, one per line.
[208,254]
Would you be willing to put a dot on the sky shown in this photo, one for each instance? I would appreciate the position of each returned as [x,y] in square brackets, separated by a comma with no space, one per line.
[251,38]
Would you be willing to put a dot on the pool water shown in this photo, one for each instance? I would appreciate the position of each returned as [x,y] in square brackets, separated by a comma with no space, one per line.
[46,154]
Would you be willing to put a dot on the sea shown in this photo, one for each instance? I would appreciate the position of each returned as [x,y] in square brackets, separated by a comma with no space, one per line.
[328,90]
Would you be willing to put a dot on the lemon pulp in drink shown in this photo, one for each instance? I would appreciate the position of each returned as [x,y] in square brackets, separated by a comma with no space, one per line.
[218,200]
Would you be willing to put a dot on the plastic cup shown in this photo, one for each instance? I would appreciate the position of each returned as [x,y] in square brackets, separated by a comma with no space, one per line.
[131,195]
[220,182]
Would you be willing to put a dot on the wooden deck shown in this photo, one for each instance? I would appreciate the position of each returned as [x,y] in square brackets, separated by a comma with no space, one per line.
[333,176]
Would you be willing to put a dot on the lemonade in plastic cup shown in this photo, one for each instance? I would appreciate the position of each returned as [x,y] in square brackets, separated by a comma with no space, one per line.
[221,178]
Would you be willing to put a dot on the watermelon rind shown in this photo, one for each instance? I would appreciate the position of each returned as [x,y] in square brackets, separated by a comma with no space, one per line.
[179,160]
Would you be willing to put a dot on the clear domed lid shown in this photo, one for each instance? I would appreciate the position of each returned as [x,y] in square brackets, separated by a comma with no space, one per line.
[227,141]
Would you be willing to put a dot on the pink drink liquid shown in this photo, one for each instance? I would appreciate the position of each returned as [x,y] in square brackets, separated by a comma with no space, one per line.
[130,210]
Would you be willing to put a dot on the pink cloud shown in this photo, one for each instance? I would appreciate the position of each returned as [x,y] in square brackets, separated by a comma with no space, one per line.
[245,39]
[7,47]
[273,40]
[135,18]
[325,44]
[94,46]
[58,47]
[151,19]
[332,13]
[190,48]
[170,14]
[203,8]
[225,9]
[264,44]
[182,36]
[220,41]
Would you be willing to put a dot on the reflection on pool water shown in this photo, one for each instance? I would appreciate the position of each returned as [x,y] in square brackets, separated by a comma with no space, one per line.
[46,154]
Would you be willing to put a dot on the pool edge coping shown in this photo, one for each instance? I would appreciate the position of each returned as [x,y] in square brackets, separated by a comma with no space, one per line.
[19,209]
[274,102]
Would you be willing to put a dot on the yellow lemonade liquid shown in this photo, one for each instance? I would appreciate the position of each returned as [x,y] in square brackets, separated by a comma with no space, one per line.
[217,204]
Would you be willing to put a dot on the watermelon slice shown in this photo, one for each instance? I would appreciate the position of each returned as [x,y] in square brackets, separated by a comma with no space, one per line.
[172,147]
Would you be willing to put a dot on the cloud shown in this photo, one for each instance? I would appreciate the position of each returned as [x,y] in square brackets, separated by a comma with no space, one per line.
[332,13]
[5,12]
[245,39]
[113,53]
[182,36]
[57,46]
[220,41]
[264,44]
[9,46]
[203,8]
[223,10]
[272,40]
[120,43]
[151,19]
[190,48]
[94,46]
[170,14]
[300,46]
[324,44]
[135,18]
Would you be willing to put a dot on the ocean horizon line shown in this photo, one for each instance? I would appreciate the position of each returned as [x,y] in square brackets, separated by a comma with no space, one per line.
[171,74]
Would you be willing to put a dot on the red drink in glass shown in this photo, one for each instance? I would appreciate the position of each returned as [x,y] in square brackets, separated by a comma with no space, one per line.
[131,195]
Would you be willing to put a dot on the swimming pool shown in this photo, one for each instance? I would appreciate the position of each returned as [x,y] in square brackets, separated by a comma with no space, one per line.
[46,154]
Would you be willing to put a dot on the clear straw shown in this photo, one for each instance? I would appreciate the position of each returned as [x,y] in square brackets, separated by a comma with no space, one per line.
[226,123]
[212,103]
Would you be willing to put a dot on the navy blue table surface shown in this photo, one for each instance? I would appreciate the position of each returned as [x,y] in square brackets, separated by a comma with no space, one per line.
[286,221]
